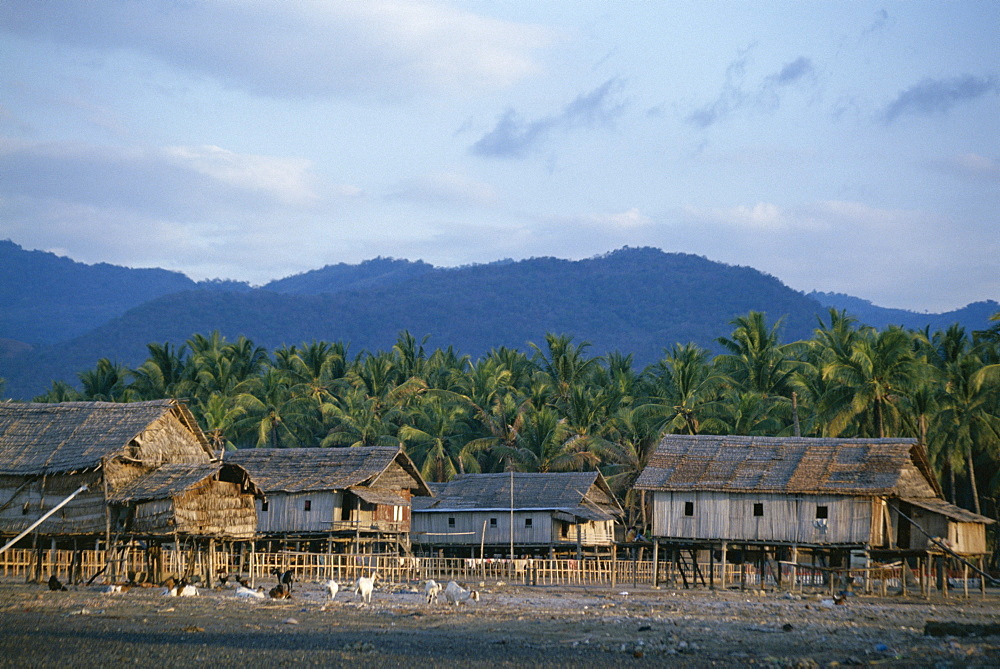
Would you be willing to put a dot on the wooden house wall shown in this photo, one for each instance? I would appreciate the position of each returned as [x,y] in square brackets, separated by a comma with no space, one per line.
[468,529]
[24,504]
[967,538]
[592,533]
[729,516]
[286,512]
[963,538]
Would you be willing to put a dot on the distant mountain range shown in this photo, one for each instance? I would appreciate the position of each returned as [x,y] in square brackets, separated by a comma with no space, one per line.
[58,317]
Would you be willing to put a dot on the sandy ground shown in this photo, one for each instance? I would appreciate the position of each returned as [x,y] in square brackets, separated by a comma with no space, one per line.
[510,626]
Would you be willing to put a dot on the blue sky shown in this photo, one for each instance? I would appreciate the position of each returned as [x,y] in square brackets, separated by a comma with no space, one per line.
[839,146]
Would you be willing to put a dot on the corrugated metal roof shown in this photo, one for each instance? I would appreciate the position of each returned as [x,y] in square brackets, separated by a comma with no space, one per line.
[294,470]
[37,439]
[582,494]
[776,464]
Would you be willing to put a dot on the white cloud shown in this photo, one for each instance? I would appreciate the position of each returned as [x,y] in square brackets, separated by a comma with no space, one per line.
[382,49]
[286,178]
[763,215]
[445,188]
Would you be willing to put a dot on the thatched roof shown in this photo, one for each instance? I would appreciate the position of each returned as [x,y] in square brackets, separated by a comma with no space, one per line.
[779,465]
[580,494]
[38,439]
[170,480]
[948,510]
[292,470]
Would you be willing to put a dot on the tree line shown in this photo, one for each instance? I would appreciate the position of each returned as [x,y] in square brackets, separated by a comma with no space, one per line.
[555,407]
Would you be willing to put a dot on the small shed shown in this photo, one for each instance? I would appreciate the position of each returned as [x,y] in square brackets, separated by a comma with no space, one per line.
[209,500]
[48,451]
[548,512]
[351,493]
[862,493]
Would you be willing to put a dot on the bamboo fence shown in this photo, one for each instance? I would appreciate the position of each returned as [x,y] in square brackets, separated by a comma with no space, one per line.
[83,566]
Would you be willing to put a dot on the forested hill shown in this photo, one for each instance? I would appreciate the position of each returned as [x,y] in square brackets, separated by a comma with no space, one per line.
[975,314]
[45,298]
[638,301]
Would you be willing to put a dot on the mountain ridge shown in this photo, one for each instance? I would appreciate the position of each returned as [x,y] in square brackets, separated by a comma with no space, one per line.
[638,301]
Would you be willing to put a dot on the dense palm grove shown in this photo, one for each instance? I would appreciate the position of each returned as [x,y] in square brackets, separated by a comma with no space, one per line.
[556,408]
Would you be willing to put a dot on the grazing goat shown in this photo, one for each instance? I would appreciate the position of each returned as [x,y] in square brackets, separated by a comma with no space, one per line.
[247,593]
[55,584]
[456,594]
[179,588]
[285,578]
[364,586]
[280,591]
[332,588]
[432,589]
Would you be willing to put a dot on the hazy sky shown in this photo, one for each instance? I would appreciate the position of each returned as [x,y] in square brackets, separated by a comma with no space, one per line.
[839,146]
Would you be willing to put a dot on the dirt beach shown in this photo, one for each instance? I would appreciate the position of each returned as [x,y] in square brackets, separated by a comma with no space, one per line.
[510,626]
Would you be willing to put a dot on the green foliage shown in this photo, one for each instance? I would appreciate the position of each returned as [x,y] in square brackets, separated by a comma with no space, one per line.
[560,409]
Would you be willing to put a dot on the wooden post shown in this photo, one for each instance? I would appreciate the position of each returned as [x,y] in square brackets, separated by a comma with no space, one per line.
[711,567]
[656,563]
[211,562]
[614,565]
[725,547]
[965,579]
[794,571]
[942,576]
[982,579]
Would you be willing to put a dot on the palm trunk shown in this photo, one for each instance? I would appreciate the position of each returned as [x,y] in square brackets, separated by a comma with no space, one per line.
[972,481]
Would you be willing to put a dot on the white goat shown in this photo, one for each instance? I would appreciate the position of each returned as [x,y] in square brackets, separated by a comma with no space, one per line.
[432,590]
[181,591]
[456,594]
[332,588]
[364,586]
[246,593]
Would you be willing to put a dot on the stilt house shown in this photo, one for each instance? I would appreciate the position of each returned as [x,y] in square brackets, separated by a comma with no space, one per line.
[209,500]
[50,451]
[548,513]
[350,494]
[792,491]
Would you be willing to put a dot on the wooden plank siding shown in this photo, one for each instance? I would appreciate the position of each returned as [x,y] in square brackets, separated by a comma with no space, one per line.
[783,518]
[466,528]
[286,511]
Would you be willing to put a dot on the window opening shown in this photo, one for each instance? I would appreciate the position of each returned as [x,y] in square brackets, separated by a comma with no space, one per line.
[688,508]
[758,509]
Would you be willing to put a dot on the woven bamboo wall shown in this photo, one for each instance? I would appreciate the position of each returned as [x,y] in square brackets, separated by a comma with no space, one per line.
[217,509]
[84,514]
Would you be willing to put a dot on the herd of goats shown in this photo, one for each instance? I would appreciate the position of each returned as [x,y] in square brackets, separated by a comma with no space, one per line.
[363,588]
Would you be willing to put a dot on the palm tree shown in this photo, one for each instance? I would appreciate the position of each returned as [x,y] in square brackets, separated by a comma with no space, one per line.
[542,444]
[683,385]
[435,439]
[357,419]
[878,372]
[624,450]
[968,415]
[272,413]
[564,364]
[756,362]
[219,417]
[162,374]
[106,382]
